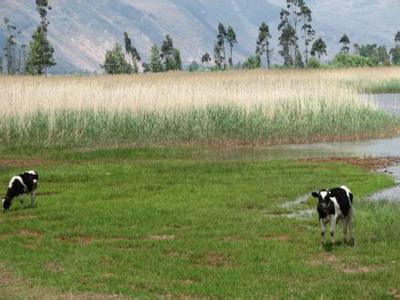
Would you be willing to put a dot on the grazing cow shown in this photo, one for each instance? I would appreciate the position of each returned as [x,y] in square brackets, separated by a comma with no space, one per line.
[21,184]
[334,205]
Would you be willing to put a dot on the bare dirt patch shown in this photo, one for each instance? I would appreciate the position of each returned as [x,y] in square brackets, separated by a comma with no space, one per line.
[186,282]
[339,265]
[87,240]
[232,238]
[23,217]
[82,240]
[214,259]
[89,296]
[54,267]
[395,293]
[29,233]
[281,238]
[160,237]
[12,287]
[24,163]
[368,163]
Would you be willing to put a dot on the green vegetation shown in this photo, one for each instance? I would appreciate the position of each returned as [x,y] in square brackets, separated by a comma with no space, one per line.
[382,87]
[172,223]
[115,62]
[132,53]
[216,124]
[253,62]
[170,55]
[345,60]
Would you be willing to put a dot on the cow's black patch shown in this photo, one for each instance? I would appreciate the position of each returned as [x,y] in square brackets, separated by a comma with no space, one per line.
[342,199]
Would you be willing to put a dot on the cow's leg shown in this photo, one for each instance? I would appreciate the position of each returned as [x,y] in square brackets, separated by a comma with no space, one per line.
[21,200]
[333,227]
[351,226]
[322,227]
[345,229]
[33,195]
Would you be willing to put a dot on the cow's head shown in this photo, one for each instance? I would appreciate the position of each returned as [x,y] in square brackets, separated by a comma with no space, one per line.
[6,203]
[323,198]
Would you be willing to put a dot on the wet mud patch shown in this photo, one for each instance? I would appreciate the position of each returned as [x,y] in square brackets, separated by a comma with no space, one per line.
[293,214]
[368,163]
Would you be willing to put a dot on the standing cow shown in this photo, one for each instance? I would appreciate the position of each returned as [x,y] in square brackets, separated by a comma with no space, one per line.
[336,205]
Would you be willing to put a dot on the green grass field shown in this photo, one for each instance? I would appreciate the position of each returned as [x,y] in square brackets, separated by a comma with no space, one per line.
[169,223]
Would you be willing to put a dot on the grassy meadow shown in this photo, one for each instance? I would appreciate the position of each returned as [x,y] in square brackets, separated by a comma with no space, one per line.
[133,202]
[244,107]
[179,223]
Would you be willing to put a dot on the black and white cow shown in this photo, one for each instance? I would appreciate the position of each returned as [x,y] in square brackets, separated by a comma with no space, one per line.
[336,205]
[21,184]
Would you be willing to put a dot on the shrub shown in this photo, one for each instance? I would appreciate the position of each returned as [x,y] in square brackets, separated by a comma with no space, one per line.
[253,62]
[313,63]
[344,60]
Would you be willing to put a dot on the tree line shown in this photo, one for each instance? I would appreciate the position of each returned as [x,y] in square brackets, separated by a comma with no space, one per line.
[298,46]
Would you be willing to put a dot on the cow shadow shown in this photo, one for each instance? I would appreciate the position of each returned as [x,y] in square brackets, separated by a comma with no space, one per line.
[328,247]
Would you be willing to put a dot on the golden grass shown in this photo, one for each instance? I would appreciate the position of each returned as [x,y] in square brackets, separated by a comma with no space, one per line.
[305,89]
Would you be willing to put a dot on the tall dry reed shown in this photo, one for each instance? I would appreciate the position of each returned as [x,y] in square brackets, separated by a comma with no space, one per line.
[245,105]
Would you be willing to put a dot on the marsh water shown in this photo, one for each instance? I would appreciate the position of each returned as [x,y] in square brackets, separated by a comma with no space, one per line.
[371,148]
[368,148]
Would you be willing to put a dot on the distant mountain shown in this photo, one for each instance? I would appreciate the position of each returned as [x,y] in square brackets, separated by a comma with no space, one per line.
[82,30]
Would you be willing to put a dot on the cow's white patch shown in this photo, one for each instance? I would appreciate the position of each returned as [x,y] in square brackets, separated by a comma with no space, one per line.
[338,212]
[323,194]
[31,172]
[348,192]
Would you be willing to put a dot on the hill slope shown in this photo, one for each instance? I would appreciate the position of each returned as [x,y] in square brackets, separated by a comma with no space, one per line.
[82,30]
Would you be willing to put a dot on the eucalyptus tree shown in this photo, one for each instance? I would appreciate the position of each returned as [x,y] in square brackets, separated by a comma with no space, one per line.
[318,48]
[10,48]
[115,62]
[232,40]
[395,52]
[306,28]
[170,55]
[40,52]
[219,47]
[155,64]
[345,41]
[132,52]
[206,58]
[263,48]
[287,38]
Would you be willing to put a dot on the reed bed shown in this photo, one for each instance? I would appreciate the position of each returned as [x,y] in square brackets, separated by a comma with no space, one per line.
[245,106]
